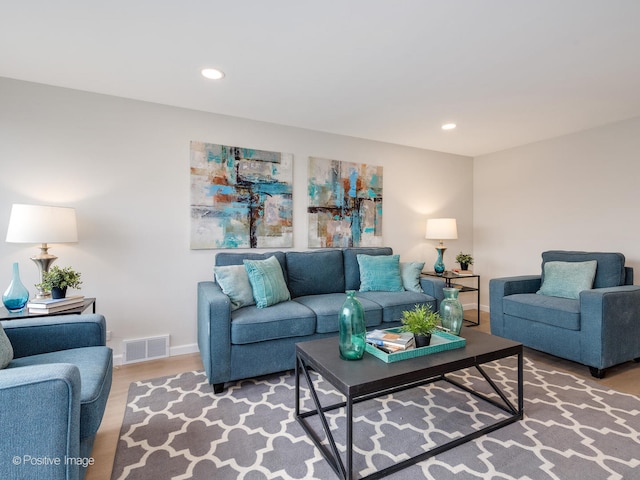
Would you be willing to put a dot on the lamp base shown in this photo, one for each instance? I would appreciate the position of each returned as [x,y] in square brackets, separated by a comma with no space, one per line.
[43,261]
[438,267]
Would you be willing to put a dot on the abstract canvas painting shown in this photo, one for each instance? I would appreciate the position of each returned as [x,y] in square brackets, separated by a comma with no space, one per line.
[240,197]
[345,204]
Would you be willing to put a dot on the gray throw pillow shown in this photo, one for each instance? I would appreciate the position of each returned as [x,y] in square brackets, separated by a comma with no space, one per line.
[568,279]
[410,273]
[6,350]
[234,282]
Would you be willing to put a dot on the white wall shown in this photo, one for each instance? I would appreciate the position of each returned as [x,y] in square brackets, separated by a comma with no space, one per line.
[124,166]
[576,192]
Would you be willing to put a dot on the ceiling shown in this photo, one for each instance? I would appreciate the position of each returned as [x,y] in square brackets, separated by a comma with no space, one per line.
[506,72]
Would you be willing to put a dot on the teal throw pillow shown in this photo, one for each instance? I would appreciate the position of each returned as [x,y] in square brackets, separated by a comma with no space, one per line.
[568,279]
[410,273]
[380,273]
[6,350]
[267,282]
[234,282]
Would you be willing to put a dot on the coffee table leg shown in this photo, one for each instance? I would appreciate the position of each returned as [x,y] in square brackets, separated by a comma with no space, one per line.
[333,456]
[349,413]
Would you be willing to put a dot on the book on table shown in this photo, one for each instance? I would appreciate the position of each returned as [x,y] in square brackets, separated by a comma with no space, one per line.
[394,341]
[50,305]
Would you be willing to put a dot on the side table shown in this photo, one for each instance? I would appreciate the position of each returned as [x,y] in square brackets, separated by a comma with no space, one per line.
[88,302]
[449,277]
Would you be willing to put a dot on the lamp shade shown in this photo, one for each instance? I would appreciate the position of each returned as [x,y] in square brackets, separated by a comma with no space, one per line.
[42,224]
[442,229]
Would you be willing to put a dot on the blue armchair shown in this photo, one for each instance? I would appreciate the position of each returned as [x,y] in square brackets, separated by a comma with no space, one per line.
[53,395]
[600,328]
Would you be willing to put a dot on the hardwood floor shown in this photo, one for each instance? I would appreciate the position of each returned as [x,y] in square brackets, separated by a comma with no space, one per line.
[624,378]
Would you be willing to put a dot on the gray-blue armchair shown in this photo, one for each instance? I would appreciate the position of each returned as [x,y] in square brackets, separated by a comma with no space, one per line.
[599,328]
[53,395]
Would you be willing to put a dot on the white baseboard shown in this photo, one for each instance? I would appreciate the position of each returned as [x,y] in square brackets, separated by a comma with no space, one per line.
[173,351]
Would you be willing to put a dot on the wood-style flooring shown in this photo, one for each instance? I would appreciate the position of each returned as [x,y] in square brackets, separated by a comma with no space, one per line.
[624,378]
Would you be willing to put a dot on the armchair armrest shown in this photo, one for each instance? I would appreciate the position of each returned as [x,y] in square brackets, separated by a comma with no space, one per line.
[32,336]
[214,332]
[40,418]
[610,322]
[433,286]
[503,287]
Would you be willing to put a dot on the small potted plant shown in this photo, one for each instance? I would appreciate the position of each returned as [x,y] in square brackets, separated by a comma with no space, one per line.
[464,259]
[420,321]
[57,280]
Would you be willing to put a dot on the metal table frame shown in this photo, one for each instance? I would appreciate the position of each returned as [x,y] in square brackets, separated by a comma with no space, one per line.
[305,362]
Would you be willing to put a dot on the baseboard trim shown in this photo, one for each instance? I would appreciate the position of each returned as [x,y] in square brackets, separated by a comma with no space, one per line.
[173,351]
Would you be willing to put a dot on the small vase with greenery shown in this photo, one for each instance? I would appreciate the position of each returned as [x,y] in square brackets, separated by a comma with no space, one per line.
[57,280]
[464,259]
[422,322]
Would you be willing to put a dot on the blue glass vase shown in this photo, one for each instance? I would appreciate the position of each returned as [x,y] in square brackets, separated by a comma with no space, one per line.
[438,267]
[352,328]
[16,295]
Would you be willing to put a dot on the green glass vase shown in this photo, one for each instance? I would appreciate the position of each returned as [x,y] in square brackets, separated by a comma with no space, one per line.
[451,311]
[352,328]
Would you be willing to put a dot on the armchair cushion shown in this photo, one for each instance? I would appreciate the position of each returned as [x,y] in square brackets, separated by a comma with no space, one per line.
[556,311]
[610,271]
[94,365]
[567,279]
[6,350]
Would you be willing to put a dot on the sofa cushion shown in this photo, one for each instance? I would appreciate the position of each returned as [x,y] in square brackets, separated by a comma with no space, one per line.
[267,282]
[556,311]
[410,273]
[380,273]
[238,258]
[610,271]
[351,266]
[95,366]
[327,309]
[6,350]
[284,320]
[567,279]
[234,282]
[394,303]
[315,272]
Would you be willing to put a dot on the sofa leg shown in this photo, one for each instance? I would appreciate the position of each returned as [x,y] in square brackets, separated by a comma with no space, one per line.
[637,360]
[597,372]
[218,387]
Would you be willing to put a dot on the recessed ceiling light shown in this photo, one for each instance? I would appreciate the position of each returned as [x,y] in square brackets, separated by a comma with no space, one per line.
[448,126]
[212,73]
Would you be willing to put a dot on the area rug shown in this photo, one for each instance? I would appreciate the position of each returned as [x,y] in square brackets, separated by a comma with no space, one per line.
[176,427]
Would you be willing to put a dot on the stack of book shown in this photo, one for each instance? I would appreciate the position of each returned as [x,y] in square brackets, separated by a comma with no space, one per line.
[391,341]
[50,305]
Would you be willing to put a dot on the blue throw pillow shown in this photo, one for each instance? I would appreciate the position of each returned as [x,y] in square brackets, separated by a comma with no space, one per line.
[380,273]
[267,282]
[567,279]
[234,282]
[6,350]
[410,273]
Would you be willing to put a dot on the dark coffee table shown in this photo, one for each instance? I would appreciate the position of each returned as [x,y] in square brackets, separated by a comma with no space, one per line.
[370,378]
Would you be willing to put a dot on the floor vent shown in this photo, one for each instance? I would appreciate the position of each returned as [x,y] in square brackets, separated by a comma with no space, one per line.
[145,349]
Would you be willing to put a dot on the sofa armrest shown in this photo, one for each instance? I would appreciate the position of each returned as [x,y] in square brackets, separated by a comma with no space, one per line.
[214,332]
[610,323]
[503,287]
[32,336]
[40,418]
[433,286]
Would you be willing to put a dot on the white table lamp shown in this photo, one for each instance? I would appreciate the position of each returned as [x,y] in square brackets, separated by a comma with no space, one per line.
[42,224]
[441,229]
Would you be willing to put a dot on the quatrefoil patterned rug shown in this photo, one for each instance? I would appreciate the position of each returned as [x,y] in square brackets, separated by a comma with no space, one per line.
[176,427]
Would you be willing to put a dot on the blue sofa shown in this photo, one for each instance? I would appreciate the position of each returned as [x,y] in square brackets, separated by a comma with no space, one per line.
[599,329]
[53,395]
[250,341]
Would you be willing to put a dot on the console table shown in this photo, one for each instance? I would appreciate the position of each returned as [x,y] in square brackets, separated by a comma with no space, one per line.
[88,302]
[449,276]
